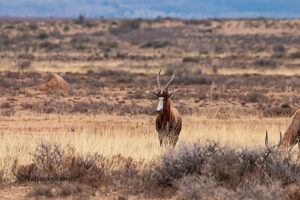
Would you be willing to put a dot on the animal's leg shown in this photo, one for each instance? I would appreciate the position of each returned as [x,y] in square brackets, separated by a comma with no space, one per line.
[298,146]
[175,139]
[174,136]
[160,141]
[166,141]
[167,135]
[171,138]
[160,137]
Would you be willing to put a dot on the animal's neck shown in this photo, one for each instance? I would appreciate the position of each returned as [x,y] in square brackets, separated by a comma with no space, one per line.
[166,114]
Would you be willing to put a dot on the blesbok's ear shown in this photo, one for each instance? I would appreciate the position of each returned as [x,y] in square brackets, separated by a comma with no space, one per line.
[171,94]
[153,93]
[267,140]
[280,138]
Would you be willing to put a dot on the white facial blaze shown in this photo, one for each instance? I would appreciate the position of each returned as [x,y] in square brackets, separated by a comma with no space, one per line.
[160,104]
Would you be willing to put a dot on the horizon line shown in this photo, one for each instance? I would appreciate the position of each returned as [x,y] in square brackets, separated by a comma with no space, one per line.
[150,18]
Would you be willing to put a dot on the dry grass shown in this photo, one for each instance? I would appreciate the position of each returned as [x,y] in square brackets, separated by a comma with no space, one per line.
[129,136]
[279,71]
[135,67]
[191,171]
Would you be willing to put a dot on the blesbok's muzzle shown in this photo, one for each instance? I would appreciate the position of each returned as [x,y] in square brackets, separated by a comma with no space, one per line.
[160,105]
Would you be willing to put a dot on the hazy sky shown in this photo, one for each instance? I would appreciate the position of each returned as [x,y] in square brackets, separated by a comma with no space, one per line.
[152,8]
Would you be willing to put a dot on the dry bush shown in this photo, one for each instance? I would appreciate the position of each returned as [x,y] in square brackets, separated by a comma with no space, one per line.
[79,38]
[84,22]
[33,26]
[5,41]
[12,75]
[9,26]
[204,22]
[62,173]
[279,48]
[257,174]
[265,63]
[254,97]
[8,112]
[199,187]
[26,56]
[107,46]
[192,171]
[6,105]
[156,44]
[24,64]
[175,165]
[123,77]
[80,19]
[48,45]
[42,35]
[187,76]
[91,107]
[47,106]
[137,94]
[7,109]
[5,82]
[66,28]
[190,59]
[126,26]
[259,191]
[186,110]
[279,111]
[48,156]
[295,55]
[54,163]
[129,176]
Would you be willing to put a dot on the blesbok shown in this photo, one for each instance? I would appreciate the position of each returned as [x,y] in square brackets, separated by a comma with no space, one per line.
[168,120]
[291,137]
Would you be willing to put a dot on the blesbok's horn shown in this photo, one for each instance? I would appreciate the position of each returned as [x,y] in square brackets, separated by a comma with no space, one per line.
[169,82]
[157,80]
[280,139]
[153,93]
[267,140]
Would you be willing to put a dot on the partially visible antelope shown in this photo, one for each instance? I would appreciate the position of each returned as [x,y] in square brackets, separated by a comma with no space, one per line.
[291,137]
[168,119]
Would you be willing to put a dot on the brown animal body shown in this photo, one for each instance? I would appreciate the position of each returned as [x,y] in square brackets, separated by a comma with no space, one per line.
[168,124]
[168,120]
[292,135]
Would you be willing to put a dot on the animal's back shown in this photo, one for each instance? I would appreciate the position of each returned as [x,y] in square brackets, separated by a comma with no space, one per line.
[292,134]
[296,121]
[176,117]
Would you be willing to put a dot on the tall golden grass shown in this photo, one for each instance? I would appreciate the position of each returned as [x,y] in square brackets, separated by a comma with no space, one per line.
[130,136]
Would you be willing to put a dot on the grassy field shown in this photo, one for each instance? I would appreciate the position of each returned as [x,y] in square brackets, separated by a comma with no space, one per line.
[234,80]
[133,137]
